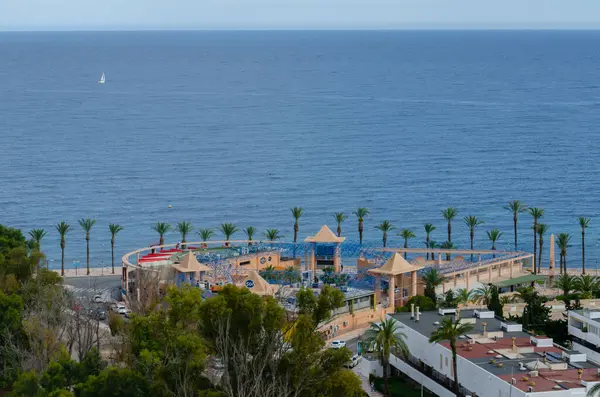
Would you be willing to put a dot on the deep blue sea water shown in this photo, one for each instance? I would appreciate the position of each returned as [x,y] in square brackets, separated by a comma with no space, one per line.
[241,126]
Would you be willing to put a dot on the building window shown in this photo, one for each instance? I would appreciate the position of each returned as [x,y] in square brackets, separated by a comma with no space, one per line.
[441,362]
[245,263]
[446,361]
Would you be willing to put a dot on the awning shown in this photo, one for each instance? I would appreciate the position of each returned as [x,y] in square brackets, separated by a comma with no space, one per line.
[530,278]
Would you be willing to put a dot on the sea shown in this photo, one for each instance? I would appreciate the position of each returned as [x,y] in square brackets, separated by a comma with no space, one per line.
[240,126]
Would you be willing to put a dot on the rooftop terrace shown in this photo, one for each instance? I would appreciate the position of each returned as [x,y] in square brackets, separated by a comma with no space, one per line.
[499,354]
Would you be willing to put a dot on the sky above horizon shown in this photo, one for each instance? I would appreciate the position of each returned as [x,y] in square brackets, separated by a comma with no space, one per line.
[297,14]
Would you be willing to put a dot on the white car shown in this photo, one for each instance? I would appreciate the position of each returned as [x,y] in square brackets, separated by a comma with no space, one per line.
[353,361]
[338,344]
[98,299]
[121,309]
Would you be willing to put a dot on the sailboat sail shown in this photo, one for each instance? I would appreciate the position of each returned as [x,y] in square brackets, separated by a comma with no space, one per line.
[102,79]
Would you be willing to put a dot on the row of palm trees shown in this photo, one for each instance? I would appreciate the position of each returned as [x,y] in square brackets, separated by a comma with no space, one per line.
[63,228]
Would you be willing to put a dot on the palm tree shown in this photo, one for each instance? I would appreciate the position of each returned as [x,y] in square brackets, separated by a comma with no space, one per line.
[385,227]
[86,225]
[250,232]
[483,294]
[584,223]
[228,230]
[451,331]
[296,213]
[385,338]
[339,218]
[516,207]
[272,234]
[114,230]
[184,228]
[62,229]
[268,273]
[432,278]
[361,213]
[448,245]
[542,228]
[536,213]
[161,228]
[464,296]
[406,235]
[563,242]
[472,222]
[594,391]
[433,245]
[206,234]
[566,283]
[37,235]
[429,228]
[449,214]
[586,284]
[494,235]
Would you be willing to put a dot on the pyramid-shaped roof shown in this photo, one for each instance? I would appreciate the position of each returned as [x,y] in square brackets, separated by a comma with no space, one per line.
[396,265]
[325,235]
[189,264]
[258,285]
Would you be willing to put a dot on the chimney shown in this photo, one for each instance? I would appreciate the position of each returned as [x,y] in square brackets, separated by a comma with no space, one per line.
[412,311]
[418,314]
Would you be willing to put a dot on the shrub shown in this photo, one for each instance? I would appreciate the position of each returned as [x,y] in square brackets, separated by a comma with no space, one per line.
[425,304]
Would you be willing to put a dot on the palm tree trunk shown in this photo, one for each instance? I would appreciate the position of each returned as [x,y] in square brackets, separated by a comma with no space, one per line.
[472,236]
[62,258]
[339,230]
[449,231]
[515,227]
[384,239]
[87,254]
[296,232]
[427,245]
[386,380]
[405,246]
[455,369]
[161,241]
[540,257]
[534,246]
[582,251]
[112,254]
[360,231]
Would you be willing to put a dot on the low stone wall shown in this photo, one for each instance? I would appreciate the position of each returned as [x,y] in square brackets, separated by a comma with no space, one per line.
[358,320]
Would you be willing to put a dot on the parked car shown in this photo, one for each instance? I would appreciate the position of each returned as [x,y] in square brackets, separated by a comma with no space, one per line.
[338,344]
[353,361]
[98,299]
[121,309]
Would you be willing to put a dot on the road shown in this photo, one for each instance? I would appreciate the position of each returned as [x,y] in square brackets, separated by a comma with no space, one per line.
[86,287]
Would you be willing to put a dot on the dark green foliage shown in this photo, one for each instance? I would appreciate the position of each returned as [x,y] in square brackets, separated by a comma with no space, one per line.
[319,307]
[115,382]
[330,277]
[425,304]
[449,300]
[495,304]
[535,314]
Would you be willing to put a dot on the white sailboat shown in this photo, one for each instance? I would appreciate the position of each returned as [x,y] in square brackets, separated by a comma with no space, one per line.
[102,79]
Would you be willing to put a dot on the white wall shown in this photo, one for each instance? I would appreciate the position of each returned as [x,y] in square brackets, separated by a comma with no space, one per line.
[420,378]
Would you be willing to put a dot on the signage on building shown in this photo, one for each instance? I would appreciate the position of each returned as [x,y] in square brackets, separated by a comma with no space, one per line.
[249,284]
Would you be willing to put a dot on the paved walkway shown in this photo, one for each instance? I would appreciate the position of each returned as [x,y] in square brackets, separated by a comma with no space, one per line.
[94,271]
[358,370]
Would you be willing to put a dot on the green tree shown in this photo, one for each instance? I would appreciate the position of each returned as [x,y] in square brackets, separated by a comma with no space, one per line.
[86,225]
[361,213]
[27,385]
[464,296]
[228,230]
[114,230]
[385,227]
[339,218]
[584,223]
[542,228]
[386,338]
[432,278]
[272,234]
[296,213]
[449,214]
[494,235]
[161,228]
[250,232]
[516,207]
[319,308]
[184,228]
[586,284]
[495,303]
[535,314]
[115,382]
[406,234]
[206,234]
[472,222]
[566,283]
[37,235]
[563,243]
[450,331]
[429,228]
[11,315]
[448,245]
[536,213]
[433,245]
[483,294]
[62,229]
